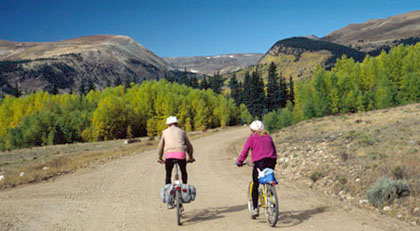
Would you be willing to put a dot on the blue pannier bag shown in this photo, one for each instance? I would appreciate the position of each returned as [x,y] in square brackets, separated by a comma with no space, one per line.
[266,176]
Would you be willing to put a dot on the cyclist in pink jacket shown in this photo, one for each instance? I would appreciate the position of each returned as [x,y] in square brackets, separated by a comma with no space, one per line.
[263,155]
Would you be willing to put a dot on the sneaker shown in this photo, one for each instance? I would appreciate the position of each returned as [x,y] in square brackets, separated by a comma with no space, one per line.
[170,206]
[255,213]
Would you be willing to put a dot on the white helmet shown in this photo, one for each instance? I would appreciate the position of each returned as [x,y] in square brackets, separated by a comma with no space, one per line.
[171,120]
[257,125]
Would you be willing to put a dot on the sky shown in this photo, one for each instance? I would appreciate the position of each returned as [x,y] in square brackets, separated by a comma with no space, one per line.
[179,28]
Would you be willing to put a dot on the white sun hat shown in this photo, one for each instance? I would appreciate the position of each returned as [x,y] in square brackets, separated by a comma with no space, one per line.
[257,125]
[171,120]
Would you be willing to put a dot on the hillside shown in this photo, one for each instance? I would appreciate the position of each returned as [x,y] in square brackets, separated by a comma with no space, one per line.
[298,57]
[100,59]
[343,156]
[377,33]
[209,65]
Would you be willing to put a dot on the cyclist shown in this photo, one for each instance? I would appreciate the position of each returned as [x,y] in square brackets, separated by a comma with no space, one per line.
[175,144]
[263,155]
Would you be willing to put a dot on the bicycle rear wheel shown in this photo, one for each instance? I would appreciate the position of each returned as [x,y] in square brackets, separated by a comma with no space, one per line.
[250,205]
[271,209]
[178,206]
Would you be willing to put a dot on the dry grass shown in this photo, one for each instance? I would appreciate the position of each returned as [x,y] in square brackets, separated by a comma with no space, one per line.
[42,163]
[343,156]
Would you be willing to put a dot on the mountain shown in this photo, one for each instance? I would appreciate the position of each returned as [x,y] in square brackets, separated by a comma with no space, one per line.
[65,64]
[298,57]
[211,64]
[378,33]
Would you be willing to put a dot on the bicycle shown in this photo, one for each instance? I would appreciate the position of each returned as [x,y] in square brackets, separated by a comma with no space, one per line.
[177,191]
[267,197]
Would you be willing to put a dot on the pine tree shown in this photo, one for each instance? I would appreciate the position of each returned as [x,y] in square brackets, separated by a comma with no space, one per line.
[257,95]
[117,82]
[16,91]
[127,83]
[54,90]
[184,78]
[235,90]
[273,89]
[91,85]
[216,83]
[204,84]
[82,89]
[282,92]
[246,93]
[108,83]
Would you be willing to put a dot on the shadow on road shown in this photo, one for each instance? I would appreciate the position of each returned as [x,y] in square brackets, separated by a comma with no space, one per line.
[292,218]
[210,214]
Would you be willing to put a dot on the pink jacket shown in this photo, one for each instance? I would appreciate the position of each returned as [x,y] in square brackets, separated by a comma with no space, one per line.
[261,147]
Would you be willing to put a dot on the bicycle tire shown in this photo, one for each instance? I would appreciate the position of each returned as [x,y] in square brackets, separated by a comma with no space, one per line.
[250,205]
[178,206]
[272,208]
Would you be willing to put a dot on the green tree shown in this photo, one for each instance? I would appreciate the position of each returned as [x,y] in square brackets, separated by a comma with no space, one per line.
[110,119]
[235,90]
[273,89]
[82,88]
[246,93]
[91,85]
[410,88]
[204,84]
[117,81]
[216,83]
[320,94]
[291,93]
[257,96]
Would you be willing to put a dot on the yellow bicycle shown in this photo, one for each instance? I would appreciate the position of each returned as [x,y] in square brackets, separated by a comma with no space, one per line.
[268,200]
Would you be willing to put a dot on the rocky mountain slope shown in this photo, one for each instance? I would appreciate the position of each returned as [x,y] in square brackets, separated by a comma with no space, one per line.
[211,64]
[65,64]
[377,33]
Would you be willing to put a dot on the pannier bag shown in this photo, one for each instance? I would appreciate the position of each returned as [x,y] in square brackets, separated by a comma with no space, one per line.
[266,176]
[167,194]
[188,193]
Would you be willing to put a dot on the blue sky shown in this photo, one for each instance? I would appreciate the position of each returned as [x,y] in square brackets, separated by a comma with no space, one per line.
[176,28]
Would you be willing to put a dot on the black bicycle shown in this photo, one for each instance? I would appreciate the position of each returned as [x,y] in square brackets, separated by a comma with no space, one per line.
[177,192]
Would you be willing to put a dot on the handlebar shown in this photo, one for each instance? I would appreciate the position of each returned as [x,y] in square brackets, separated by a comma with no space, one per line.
[245,163]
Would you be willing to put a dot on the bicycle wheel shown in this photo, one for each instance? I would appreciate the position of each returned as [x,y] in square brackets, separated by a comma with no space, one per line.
[178,206]
[250,205]
[271,209]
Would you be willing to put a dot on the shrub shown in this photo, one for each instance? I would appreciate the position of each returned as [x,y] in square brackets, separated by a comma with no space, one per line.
[397,172]
[316,175]
[386,190]
[341,179]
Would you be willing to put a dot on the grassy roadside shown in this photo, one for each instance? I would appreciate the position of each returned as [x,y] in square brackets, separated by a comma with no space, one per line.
[33,165]
[344,156]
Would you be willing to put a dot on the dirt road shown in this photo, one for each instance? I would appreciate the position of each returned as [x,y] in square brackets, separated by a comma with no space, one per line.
[124,195]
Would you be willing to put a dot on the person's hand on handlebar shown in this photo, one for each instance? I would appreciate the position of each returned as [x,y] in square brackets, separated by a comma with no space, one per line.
[239,163]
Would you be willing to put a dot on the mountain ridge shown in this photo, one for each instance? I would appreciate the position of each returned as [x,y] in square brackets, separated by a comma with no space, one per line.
[208,65]
[376,33]
[66,64]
